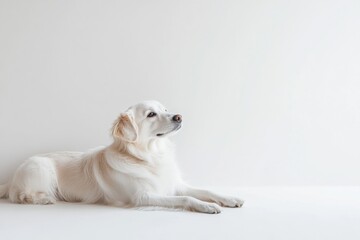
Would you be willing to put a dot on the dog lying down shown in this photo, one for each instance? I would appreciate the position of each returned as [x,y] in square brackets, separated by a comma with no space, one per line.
[137,170]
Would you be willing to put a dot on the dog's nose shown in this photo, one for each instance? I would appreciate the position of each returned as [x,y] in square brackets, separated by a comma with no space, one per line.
[177,118]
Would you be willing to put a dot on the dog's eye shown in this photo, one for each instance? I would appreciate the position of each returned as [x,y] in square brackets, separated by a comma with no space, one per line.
[152,114]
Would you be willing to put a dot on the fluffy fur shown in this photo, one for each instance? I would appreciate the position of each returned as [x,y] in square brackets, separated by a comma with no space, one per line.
[136,170]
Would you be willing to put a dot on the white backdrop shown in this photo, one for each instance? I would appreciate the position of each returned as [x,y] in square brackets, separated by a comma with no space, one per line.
[269,90]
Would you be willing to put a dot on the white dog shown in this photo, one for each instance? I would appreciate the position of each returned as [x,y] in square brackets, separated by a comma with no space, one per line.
[136,170]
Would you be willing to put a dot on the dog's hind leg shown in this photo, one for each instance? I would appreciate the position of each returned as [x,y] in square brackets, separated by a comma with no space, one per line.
[34,182]
[35,198]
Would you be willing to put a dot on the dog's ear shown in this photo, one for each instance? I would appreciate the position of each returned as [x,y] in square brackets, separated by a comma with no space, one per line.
[125,128]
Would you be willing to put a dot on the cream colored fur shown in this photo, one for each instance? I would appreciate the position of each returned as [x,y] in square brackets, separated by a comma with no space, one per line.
[138,169]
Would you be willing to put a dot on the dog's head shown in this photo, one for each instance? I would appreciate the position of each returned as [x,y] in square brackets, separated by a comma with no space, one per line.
[146,121]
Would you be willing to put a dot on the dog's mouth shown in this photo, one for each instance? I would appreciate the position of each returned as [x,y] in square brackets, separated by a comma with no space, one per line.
[175,129]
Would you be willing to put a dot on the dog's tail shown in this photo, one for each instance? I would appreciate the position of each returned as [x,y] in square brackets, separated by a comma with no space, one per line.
[4,189]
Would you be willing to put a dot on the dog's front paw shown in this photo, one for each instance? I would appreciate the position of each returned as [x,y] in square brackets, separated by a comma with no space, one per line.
[211,208]
[231,202]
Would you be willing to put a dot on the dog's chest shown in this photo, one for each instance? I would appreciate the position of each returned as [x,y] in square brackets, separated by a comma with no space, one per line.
[165,177]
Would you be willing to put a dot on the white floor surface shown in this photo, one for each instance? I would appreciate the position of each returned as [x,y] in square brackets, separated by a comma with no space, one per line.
[269,213]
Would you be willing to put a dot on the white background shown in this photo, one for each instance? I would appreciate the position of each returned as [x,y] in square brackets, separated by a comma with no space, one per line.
[269,90]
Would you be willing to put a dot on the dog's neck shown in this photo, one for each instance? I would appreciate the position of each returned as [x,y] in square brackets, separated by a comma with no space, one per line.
[143,151]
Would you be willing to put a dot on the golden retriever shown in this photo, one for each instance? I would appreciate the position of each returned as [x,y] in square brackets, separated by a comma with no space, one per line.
[138,169]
